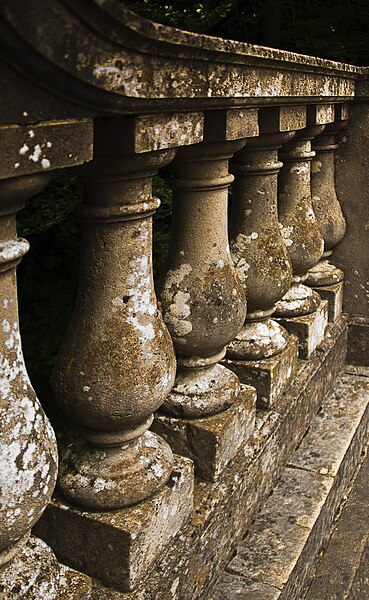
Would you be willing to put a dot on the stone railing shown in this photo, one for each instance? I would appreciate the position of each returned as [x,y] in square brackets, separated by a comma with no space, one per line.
[90,85]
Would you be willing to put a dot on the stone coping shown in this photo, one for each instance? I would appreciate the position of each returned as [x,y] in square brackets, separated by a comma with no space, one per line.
[140,65]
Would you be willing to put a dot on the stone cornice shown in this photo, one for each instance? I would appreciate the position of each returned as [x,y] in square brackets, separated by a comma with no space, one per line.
[101,56]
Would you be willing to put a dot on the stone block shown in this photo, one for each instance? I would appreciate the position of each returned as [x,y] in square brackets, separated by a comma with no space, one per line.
[271,376]
[118,547]
[213,441]
[334,295]
[309,329]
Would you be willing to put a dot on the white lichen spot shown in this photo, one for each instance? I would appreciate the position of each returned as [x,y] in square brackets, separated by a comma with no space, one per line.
[101,485]
[13,249]
[86,388]
[23,150]
[286,234]
[45,163]
[48,144]
[16,165]
[6,326]
[254,235]
[174,586]
[31,133]
[36,154]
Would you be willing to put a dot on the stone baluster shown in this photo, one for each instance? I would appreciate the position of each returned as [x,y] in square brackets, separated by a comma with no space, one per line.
[257,247]
[203,301]
[300,228]
[116,365]
[28,455]
[325,202]
[261,257]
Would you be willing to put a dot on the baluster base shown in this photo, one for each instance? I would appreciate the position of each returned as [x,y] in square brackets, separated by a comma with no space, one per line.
[271,376]
[323,274]
[299,300]
[201,388]
[211,442]
[118,548]
[33,573]
[106,478]
[258,340]
[309,329]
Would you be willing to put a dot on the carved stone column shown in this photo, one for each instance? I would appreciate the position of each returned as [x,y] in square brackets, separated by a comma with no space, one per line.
[28,455]
[262,354]
[325,202]
[257,247]
[116,365]
[300,228]
[203,301]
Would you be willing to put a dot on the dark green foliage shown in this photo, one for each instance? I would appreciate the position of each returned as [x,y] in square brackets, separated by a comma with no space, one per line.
[336,30]
[185,14]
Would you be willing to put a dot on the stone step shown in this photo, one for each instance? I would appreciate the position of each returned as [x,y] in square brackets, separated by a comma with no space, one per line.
[277,557]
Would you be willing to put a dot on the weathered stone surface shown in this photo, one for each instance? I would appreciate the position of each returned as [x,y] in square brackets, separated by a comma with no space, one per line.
[324,273]
[119,547]
[282,545]
[352,252]
[332,431]
[44,147]
[203,302]
[233,587]
[300,227]
[225,509]
[270,377]
[309,329]
[298,301]
[211,442]
[147,133]
[358,341]
[344,557]
[334,295]
[231,124]
[277,538]
[33,574]
[112,399]
[135,63]
[73,585]
[257,247]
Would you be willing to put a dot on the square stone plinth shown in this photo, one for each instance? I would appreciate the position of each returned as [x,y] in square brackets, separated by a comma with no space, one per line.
[212,442]
[309,329]
[334,295]
[117,547]
[271,376]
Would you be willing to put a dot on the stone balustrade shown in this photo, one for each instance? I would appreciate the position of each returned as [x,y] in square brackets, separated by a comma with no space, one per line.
[95,88]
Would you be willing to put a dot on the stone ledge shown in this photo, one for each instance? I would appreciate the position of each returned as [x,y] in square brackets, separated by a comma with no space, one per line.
[212,442]
[283,543]
[224,510]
